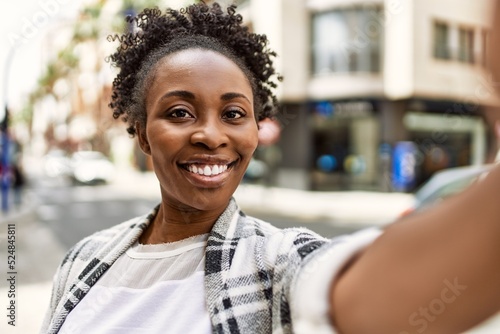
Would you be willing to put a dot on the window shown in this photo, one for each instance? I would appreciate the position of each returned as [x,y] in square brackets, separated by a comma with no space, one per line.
[484,47]
[441,41]
[347,40]
[466,45]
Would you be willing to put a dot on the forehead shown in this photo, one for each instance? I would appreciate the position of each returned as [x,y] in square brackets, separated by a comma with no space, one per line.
[200,64]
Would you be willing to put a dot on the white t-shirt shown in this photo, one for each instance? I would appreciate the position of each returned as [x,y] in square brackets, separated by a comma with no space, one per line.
[149,289]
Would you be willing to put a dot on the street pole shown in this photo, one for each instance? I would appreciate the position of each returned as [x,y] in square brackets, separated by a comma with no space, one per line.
[5,182]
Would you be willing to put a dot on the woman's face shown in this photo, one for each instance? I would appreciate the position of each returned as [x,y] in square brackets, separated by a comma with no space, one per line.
[201,131]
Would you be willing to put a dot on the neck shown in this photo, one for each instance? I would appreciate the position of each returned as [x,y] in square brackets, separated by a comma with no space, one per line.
[174,224]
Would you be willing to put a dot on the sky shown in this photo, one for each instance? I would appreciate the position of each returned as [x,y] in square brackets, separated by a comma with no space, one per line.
[27,23]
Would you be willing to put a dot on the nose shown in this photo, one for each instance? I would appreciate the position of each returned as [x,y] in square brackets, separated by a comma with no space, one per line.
[210,134]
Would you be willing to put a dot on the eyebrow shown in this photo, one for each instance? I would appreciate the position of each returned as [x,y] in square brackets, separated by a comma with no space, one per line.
[179,93]
[188,95]
[230,96]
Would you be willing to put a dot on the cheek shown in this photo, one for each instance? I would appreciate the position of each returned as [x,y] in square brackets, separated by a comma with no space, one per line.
[248,141]
[163,143]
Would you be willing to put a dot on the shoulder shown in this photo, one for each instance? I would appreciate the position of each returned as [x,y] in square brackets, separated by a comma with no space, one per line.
[89,245]
[89,258]
[294,240]
[102,246]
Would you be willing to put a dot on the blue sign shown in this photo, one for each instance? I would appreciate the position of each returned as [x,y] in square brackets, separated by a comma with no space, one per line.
[324,109]
[404,166]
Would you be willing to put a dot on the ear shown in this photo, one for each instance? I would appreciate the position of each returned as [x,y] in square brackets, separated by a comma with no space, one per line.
[142,138]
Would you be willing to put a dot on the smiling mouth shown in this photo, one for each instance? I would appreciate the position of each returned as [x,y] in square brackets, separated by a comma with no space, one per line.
[207,169]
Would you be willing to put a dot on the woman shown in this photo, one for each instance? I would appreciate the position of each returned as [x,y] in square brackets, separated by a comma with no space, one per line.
[192,86]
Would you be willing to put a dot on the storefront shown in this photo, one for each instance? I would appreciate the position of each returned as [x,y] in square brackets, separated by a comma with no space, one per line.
[370,145]
[345,143]
[445,140]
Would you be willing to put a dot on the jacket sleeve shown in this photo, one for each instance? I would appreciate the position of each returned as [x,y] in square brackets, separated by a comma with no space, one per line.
[310,287]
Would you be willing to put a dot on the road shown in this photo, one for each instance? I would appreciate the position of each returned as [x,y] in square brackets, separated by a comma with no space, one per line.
[73,212]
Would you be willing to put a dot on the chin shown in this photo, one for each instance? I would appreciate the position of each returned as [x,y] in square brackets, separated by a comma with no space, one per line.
[210,199]
[200,200]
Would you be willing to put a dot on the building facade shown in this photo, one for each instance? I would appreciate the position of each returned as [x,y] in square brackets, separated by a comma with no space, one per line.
[378,94]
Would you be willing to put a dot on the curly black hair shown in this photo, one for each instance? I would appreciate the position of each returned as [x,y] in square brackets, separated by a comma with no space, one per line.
[201,26]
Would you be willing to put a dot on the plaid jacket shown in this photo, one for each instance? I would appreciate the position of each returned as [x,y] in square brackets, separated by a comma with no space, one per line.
[250,272]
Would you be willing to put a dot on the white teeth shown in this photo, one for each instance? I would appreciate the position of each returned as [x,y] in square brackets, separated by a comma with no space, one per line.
[207,170]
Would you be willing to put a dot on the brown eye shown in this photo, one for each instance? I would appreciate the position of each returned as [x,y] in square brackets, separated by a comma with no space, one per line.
[233,114]
[179,113]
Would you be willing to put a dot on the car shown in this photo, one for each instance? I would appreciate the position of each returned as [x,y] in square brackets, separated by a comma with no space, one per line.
[56,163]
[91,167]
[445,183]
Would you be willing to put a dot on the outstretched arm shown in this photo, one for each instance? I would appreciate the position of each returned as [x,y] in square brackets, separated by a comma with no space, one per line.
[436,272]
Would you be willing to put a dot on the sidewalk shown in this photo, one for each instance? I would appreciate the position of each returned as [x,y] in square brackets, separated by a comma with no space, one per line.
[335,207]
[37,255]
[348,207]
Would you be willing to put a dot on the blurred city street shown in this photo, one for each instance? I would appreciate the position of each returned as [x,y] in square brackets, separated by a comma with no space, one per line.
[56,214]
[377,98]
